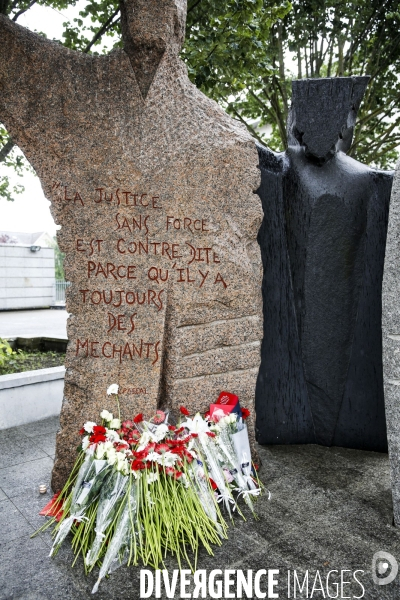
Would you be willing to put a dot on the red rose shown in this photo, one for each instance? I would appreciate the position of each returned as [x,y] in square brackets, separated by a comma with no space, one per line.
[138,418]
[213,484]
[210,434]
[99,429]
[195,435]
[184,411]
[245,413]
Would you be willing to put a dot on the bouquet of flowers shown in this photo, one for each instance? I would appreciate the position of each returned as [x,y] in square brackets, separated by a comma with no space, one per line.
[140,489]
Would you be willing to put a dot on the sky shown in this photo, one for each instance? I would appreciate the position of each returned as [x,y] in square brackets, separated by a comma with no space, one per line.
[30,211]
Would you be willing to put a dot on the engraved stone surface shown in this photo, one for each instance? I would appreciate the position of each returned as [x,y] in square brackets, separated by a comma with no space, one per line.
[391,340]
[153,186]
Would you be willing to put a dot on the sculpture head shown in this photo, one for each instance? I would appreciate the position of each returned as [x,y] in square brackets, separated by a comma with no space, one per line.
[158,23]
[323,114]
[149,29]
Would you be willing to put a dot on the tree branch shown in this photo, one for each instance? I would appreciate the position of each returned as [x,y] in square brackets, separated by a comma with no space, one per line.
[193,6]
[23,10]
[240,118]
[6,149]
[107,25]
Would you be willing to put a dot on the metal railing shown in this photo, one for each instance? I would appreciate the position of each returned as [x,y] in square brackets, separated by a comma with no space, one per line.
[61,286]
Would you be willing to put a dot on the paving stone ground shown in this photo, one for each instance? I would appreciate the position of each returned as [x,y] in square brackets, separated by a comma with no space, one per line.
[330,508]
[38,323]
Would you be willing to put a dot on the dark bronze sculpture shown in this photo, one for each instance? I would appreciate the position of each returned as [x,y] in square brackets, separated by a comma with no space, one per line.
[323,244]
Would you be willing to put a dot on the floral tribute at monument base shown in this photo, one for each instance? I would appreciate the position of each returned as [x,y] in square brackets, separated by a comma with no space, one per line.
[140,489]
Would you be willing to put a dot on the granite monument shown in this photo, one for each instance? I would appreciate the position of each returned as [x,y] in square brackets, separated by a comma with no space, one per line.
[153,186]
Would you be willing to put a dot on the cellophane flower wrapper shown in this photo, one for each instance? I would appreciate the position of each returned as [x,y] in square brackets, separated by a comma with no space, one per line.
[205,493]
[209,450]
[111,495]
[85,492]
[233,464]
[124,536]
[241,444]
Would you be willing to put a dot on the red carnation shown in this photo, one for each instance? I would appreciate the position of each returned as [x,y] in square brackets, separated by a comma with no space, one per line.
[171,427]
[178,474]
[169,470]
[82,431]
[97,438]
[138,465]
[184,411]
[245,413]
[138,418]
[99,429]
[210,434]
[127,425]
[195,435]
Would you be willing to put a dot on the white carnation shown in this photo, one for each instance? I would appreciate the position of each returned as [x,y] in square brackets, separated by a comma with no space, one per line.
[113,389]
[161,432]
[88,426]
[144,440]
[115,424]
[112,435]
[85,442]
[111,456]
[100,451]
[107,416]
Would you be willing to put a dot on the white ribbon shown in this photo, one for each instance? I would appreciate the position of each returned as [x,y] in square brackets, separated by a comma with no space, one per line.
[100,534]
[247,493]
[79,518]
[224,498]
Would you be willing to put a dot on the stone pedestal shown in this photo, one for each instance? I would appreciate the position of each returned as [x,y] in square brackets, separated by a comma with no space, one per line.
[391,340]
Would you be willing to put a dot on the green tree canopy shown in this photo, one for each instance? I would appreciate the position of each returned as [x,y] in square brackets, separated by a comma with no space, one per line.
[330,39]
[244,53]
